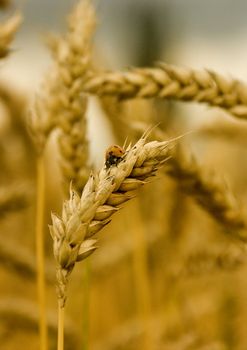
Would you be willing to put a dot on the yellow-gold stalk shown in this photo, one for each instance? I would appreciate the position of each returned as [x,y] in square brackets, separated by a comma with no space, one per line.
[40,203]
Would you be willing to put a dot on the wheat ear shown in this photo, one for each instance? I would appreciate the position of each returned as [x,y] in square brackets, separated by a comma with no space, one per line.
[72,57]
[83,216]
[7,33]
[172,82]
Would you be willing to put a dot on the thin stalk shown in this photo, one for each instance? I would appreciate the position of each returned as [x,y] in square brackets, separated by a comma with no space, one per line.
[86,301]
[140,266]
[60,331]
[40,251]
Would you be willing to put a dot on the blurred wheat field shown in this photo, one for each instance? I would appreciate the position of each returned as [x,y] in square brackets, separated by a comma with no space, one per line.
[168,269]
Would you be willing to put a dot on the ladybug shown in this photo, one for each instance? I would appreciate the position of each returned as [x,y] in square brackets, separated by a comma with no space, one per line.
[114,154]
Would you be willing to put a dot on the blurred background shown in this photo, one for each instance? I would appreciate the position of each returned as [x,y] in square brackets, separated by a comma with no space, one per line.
[166,276]
[199,33]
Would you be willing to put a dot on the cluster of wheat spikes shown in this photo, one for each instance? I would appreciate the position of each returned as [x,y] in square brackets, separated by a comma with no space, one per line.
[92,197]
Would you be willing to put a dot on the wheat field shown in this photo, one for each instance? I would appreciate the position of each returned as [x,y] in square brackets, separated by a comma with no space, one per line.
[80,268]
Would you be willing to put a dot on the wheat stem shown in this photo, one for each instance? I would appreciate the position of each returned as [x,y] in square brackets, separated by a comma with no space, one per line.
[142,285]
[40,251]
[86,302]
[60,331]
[172,82]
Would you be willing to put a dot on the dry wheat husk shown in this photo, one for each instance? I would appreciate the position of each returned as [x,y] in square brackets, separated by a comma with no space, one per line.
[104,193]
[173,82]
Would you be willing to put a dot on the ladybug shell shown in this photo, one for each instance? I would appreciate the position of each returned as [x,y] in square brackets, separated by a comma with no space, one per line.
[113,155]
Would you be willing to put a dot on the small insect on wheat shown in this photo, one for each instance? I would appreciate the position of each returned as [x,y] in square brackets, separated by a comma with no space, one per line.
[114,154]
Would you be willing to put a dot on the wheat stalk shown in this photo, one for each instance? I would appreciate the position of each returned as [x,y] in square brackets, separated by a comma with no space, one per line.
[40,125]
[83,216]
[172,82]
